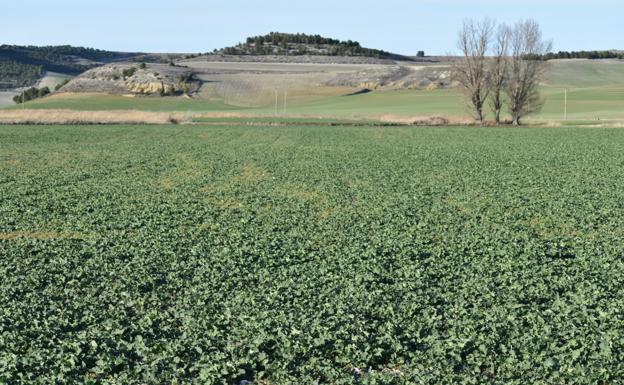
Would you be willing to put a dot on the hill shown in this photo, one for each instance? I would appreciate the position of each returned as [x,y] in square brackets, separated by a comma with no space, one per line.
[299,44]
[131,78]
[23,66]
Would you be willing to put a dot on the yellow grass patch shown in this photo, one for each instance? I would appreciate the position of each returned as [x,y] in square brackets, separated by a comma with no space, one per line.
[548,227]
[610,124]
[88,155]
[467,203]
[220,201]
[552,124]
[12,162]
[165,183]
[294,191]
[424,120]
[228,203]
[326,214]
[252,173]
[247,173]
[224,114]
[88,117]
[189,171]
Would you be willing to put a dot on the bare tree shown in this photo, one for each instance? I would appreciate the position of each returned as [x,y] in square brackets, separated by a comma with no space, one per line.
[526,69]
[471,71]
[499,69]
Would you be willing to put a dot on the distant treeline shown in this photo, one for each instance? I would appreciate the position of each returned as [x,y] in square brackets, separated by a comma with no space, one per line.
[56,59]
[15,74]
[21,66]
[276,43]
[82,52]
[584,55]
[277,38]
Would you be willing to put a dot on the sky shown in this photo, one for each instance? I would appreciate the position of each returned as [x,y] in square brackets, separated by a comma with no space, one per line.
[399,26]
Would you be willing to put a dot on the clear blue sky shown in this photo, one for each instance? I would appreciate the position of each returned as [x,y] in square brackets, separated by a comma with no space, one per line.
[401,26]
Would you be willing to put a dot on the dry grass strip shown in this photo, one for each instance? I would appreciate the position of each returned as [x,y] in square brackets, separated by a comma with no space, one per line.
[88,117]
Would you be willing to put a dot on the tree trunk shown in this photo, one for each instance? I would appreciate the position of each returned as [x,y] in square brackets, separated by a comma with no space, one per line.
[497,116]
[478,104]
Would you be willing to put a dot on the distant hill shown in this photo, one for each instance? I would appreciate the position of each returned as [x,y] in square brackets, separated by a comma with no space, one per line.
[291,44]
[22,66]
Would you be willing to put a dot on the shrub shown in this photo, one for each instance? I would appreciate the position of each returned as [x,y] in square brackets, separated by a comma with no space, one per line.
[187,77]
[31,94]
[129,72]
[61,85]
[41,92]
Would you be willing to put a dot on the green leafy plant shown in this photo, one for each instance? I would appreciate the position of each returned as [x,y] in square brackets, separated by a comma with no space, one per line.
[329,255]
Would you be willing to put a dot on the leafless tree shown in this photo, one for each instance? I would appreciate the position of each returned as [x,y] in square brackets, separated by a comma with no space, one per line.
[526,69]
[471,72]
[499,65]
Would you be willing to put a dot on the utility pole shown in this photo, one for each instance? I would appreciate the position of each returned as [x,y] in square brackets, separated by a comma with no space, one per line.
[285,97]
[565,104]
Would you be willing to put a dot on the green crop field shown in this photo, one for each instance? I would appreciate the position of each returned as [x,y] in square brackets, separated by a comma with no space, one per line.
[400,103]
[308,255]
[595,90]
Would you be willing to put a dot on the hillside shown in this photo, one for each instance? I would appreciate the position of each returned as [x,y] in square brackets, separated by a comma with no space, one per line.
[299,44]
[595,90]
[23,66]
[581,73]
[131,78]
